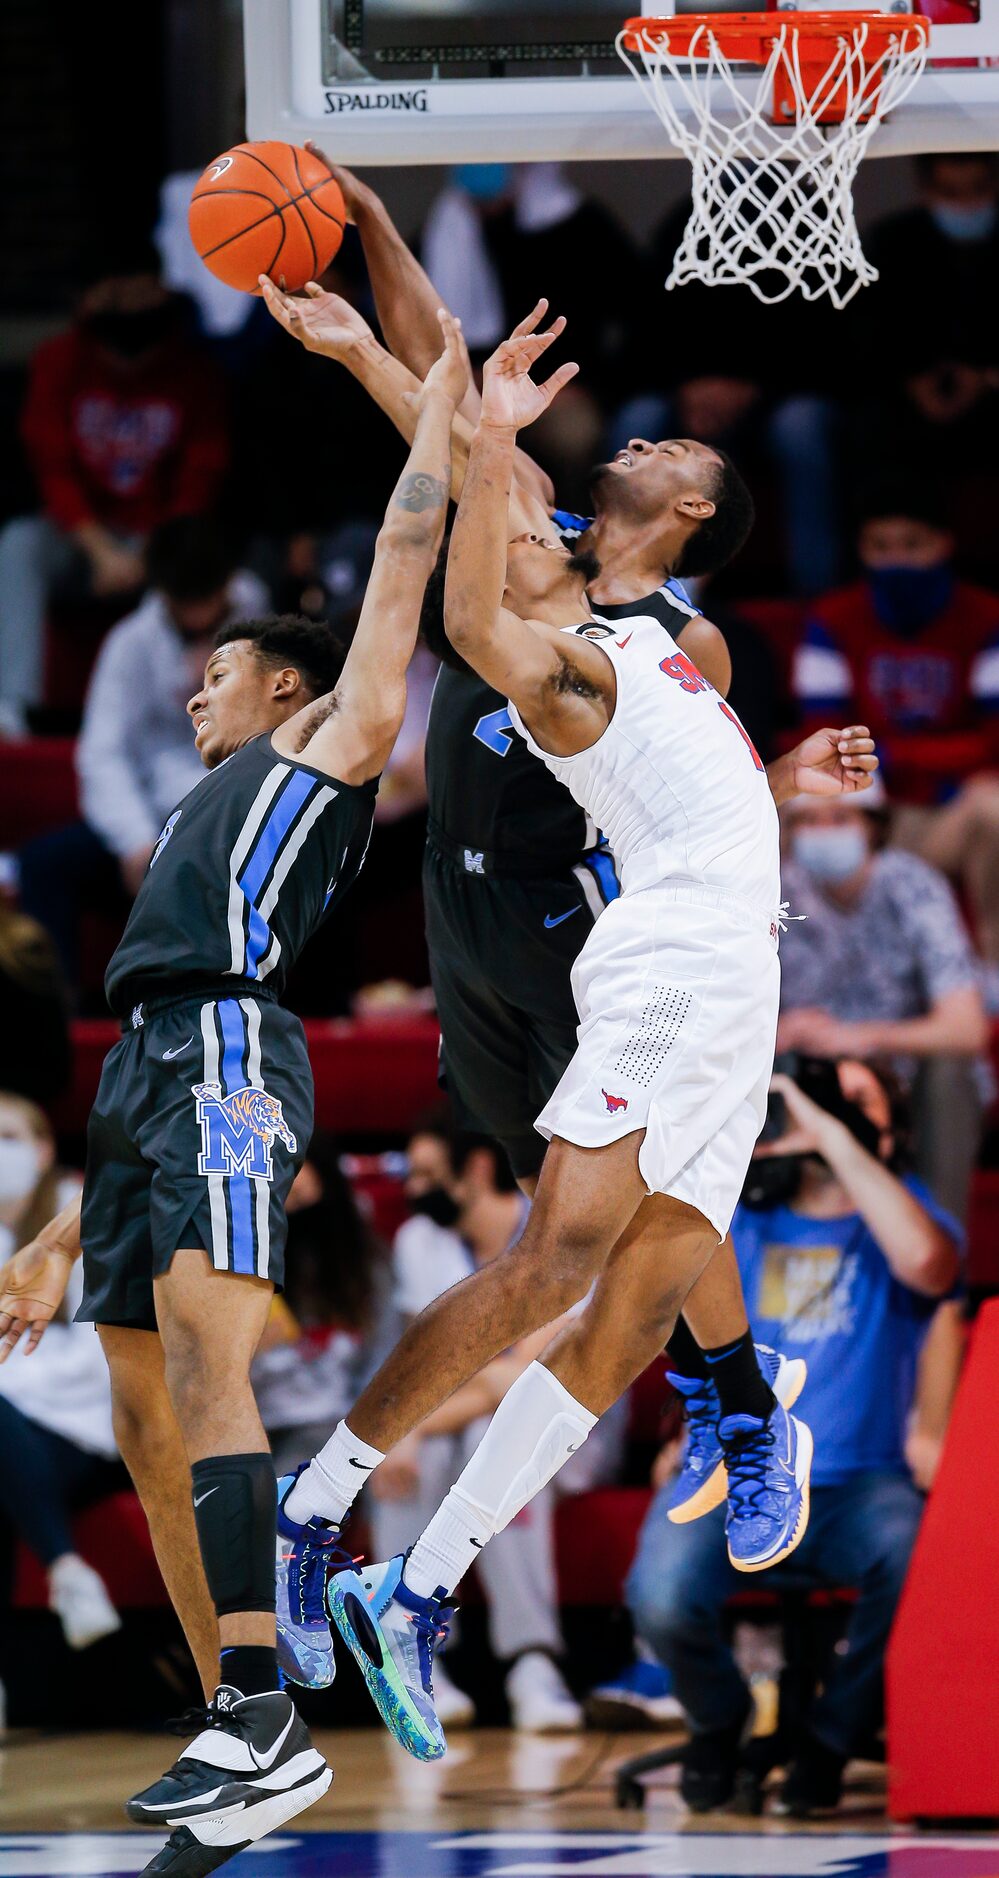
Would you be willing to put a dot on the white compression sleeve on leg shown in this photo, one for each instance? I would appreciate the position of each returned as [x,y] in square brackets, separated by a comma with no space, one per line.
[532,1434]
[331,1483]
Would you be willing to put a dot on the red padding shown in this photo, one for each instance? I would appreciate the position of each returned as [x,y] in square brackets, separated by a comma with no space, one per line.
[37,787]
[941,1669]
[113,1537]
[595,1539]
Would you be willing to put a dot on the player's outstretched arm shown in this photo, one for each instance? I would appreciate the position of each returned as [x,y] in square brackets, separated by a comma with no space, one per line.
[828,763]
[352,732]
[33,1282]
[326,324]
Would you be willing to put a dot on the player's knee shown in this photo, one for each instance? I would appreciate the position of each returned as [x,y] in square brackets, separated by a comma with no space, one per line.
[145,1430]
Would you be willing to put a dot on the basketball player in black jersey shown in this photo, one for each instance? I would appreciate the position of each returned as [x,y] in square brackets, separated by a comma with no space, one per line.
[514,875]
[202,1119]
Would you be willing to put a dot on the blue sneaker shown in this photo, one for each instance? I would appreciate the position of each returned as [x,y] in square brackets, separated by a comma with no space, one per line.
[768,1467]
[305,1557]
[392,1635]
[700,1485]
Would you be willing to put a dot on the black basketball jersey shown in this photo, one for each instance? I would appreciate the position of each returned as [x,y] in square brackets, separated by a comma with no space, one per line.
[485,789]
[242,874]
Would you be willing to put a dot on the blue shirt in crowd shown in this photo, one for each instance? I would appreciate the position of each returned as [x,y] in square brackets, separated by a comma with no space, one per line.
[822,1289]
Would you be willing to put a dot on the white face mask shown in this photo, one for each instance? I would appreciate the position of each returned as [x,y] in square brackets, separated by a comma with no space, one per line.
[830,854]
[19,1170]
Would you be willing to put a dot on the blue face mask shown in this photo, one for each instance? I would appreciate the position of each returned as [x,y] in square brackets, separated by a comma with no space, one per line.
[482,181]
[973,221]
[830,854]
[907,598]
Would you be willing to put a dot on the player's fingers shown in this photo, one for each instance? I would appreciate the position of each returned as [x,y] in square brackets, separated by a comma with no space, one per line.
[533,319]
[278,304]
[313,289]
[34,1337]
[862,745]
[559,378]
[557,326]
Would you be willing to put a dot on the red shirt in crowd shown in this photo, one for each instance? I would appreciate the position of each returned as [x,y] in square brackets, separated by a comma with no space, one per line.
[129,447]
[931,697]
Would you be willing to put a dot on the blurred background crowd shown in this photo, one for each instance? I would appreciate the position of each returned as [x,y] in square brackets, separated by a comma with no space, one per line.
[171,463]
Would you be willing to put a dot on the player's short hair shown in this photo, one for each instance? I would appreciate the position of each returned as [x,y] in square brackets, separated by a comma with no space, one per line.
[310,645]
[722,534]
[189,558]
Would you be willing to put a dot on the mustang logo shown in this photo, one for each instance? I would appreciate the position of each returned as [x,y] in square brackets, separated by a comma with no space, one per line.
[238,1130]
[614,1102]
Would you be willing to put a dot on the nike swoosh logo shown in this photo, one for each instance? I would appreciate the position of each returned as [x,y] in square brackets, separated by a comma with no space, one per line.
[623,642]
[168,1055]
[205,1496]
[267,1760]
[363,1465]
[559,917]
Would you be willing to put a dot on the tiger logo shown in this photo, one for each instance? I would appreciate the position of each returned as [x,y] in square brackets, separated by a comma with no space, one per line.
[238,1131]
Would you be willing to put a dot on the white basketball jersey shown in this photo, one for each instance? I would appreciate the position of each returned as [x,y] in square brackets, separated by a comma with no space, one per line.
[674,782]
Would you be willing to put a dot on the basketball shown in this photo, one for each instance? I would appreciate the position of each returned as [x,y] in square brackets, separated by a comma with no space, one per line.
[267,208]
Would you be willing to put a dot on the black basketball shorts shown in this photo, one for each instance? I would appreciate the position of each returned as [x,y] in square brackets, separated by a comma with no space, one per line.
[501,953]
[203,1117]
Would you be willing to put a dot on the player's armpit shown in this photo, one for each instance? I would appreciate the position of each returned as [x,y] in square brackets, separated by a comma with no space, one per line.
[705,644]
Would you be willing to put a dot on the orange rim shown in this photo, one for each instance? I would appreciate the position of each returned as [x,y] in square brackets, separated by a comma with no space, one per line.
[749,37]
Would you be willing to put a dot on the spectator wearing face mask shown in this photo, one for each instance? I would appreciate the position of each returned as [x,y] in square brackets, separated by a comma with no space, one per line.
[842,1262]
[125,427]
[135,756]
[928,329]
[913,651]
[467,1210]
[57,1449]
[880,966]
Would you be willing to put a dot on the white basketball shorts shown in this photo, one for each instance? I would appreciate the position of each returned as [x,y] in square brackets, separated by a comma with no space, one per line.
[677,990]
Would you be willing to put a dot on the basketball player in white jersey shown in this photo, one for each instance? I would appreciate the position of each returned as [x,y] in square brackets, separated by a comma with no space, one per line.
[653,1123]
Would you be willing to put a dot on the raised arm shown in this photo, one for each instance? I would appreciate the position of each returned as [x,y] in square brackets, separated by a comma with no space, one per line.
[350,733]
[328,325]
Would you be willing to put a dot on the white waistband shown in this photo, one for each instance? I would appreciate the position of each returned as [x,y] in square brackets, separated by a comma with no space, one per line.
[771,919]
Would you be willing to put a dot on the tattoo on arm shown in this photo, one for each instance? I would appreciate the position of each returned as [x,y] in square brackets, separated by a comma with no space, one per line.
[418,491]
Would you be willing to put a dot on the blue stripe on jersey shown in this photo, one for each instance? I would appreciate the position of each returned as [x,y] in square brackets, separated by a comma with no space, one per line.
[569,523]
[292,798]
[679,592]
[238,1185]
[601,863]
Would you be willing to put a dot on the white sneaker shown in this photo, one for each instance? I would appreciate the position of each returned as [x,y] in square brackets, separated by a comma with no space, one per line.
[79,1598]
[455,1709]
[540,1703]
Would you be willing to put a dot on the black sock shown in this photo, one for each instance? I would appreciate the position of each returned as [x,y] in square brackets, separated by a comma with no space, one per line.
[742,1387]
[251,1668]
[684,1351]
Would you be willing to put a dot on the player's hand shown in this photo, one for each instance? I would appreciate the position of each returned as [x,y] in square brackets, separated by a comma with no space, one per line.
[321,322]
[358,199]
[510,397]
[833,762]
[448,374]
[32,1287]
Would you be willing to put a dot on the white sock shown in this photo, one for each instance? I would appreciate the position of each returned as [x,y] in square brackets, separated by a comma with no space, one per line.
[532,1434]
[331,1483]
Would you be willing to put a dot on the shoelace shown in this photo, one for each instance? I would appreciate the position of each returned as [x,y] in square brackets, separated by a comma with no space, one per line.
[431,1627]
[784,916]
[747,1474]
[700,1412]
[191,1722]
[317,1560]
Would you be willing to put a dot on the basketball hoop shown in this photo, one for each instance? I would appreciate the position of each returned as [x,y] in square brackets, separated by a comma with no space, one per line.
[774,156]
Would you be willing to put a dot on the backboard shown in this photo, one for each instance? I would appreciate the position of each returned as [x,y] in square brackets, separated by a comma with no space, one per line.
[474,81]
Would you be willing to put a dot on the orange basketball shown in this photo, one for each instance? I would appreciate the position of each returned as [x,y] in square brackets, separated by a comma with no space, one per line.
[267,208]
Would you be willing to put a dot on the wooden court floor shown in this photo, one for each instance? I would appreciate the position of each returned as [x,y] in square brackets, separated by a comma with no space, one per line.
[498,1806]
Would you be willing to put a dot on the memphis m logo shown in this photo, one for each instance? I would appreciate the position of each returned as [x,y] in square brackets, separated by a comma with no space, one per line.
[238,1131]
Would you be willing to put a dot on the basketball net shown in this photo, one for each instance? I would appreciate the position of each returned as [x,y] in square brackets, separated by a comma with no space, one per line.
[774,157]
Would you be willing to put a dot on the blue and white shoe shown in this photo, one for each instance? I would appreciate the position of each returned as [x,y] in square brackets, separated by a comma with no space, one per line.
[700,1485]
[305,1557]
[392,1635]
[768,1465]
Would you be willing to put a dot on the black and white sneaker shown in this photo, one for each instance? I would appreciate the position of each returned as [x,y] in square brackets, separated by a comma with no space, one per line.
[253,1768]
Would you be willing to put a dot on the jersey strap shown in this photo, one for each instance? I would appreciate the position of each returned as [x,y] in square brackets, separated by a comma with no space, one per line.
[286,807]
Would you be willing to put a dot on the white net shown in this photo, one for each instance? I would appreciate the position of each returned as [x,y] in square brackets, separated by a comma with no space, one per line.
[773,201]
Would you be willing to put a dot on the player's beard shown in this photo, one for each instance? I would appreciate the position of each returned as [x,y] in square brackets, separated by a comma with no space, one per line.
[583,560]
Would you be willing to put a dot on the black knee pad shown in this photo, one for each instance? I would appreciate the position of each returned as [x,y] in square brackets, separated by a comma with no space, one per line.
[235,1511]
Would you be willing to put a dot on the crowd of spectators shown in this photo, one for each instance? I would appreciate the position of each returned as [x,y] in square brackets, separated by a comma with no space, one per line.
[193,468]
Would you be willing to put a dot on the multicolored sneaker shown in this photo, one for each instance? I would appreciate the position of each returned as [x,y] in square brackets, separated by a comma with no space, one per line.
[700,1485]
[305,1557]
[768,1467]
[392,1635]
